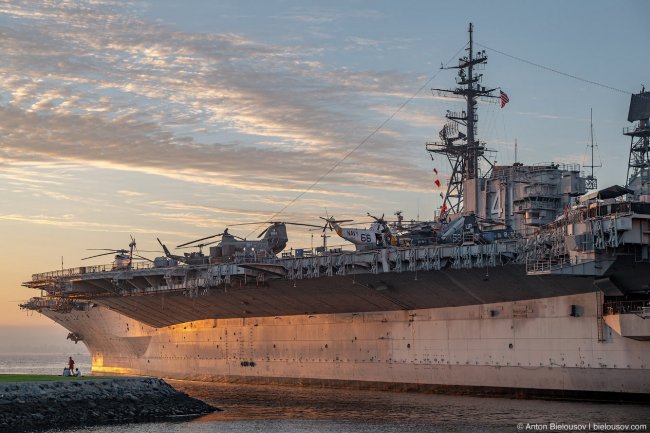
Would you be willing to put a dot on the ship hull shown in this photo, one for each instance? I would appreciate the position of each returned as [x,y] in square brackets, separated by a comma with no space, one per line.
[555,346]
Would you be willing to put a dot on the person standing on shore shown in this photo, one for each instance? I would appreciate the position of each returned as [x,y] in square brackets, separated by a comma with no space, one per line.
[71,365]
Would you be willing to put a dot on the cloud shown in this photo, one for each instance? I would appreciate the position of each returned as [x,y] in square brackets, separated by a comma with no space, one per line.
[550,116]
[130,193]
[68,221]
[96,85]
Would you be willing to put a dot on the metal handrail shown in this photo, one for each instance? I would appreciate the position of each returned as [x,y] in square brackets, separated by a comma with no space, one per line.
[625,307]
[83,270]
[635,128]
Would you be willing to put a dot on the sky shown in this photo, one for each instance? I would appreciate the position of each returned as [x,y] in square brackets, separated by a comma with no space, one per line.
[177,119]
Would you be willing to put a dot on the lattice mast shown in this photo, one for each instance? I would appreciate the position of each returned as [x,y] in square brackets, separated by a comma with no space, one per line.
[462,149]
[638,169]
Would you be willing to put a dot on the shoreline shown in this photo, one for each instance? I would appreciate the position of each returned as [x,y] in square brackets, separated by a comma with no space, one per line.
[40,405]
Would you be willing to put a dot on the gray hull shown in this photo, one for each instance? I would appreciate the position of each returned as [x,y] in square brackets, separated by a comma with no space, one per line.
[530,347]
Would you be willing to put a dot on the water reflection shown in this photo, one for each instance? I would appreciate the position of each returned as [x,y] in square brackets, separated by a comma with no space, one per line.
[288,409]
[257,402]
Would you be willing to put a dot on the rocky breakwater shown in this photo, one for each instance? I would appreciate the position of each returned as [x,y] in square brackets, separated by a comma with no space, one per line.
[28,406]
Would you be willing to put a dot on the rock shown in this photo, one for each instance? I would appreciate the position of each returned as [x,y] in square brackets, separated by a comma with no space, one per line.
[93,402]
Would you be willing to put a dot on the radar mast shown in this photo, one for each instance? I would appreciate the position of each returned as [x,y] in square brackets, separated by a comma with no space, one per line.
[591,183]
[462,149]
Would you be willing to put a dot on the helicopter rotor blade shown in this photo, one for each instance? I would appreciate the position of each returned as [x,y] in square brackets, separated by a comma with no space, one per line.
[142,257]
[199,245]
[198,240]
[300,224]
[327,222]
[165,250]
[334,220]
[275,223]
[379,220]
[331,220]
[99,255]
[248,224]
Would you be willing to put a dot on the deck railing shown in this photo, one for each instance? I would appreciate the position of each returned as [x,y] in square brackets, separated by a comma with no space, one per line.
[83,270]
[641,308]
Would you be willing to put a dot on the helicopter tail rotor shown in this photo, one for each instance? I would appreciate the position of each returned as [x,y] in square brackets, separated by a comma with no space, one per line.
[330,221]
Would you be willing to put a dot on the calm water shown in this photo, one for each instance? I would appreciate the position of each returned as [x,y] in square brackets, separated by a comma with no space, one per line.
[252,408]
[42,364]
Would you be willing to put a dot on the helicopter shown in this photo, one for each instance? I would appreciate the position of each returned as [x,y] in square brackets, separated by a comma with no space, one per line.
[123,258]
[194,257]
[379,234]
[414,232]
[273,240]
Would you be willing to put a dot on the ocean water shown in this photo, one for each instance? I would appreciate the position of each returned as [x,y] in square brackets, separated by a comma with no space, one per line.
[268,408]
[42,363]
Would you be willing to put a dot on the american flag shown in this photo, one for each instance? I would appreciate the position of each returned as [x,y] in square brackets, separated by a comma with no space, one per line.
[504,98]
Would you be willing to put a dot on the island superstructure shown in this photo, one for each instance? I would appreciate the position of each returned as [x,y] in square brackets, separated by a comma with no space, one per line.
[526,284]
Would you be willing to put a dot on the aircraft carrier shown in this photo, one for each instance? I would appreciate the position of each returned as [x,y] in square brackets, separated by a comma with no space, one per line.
[532,282]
